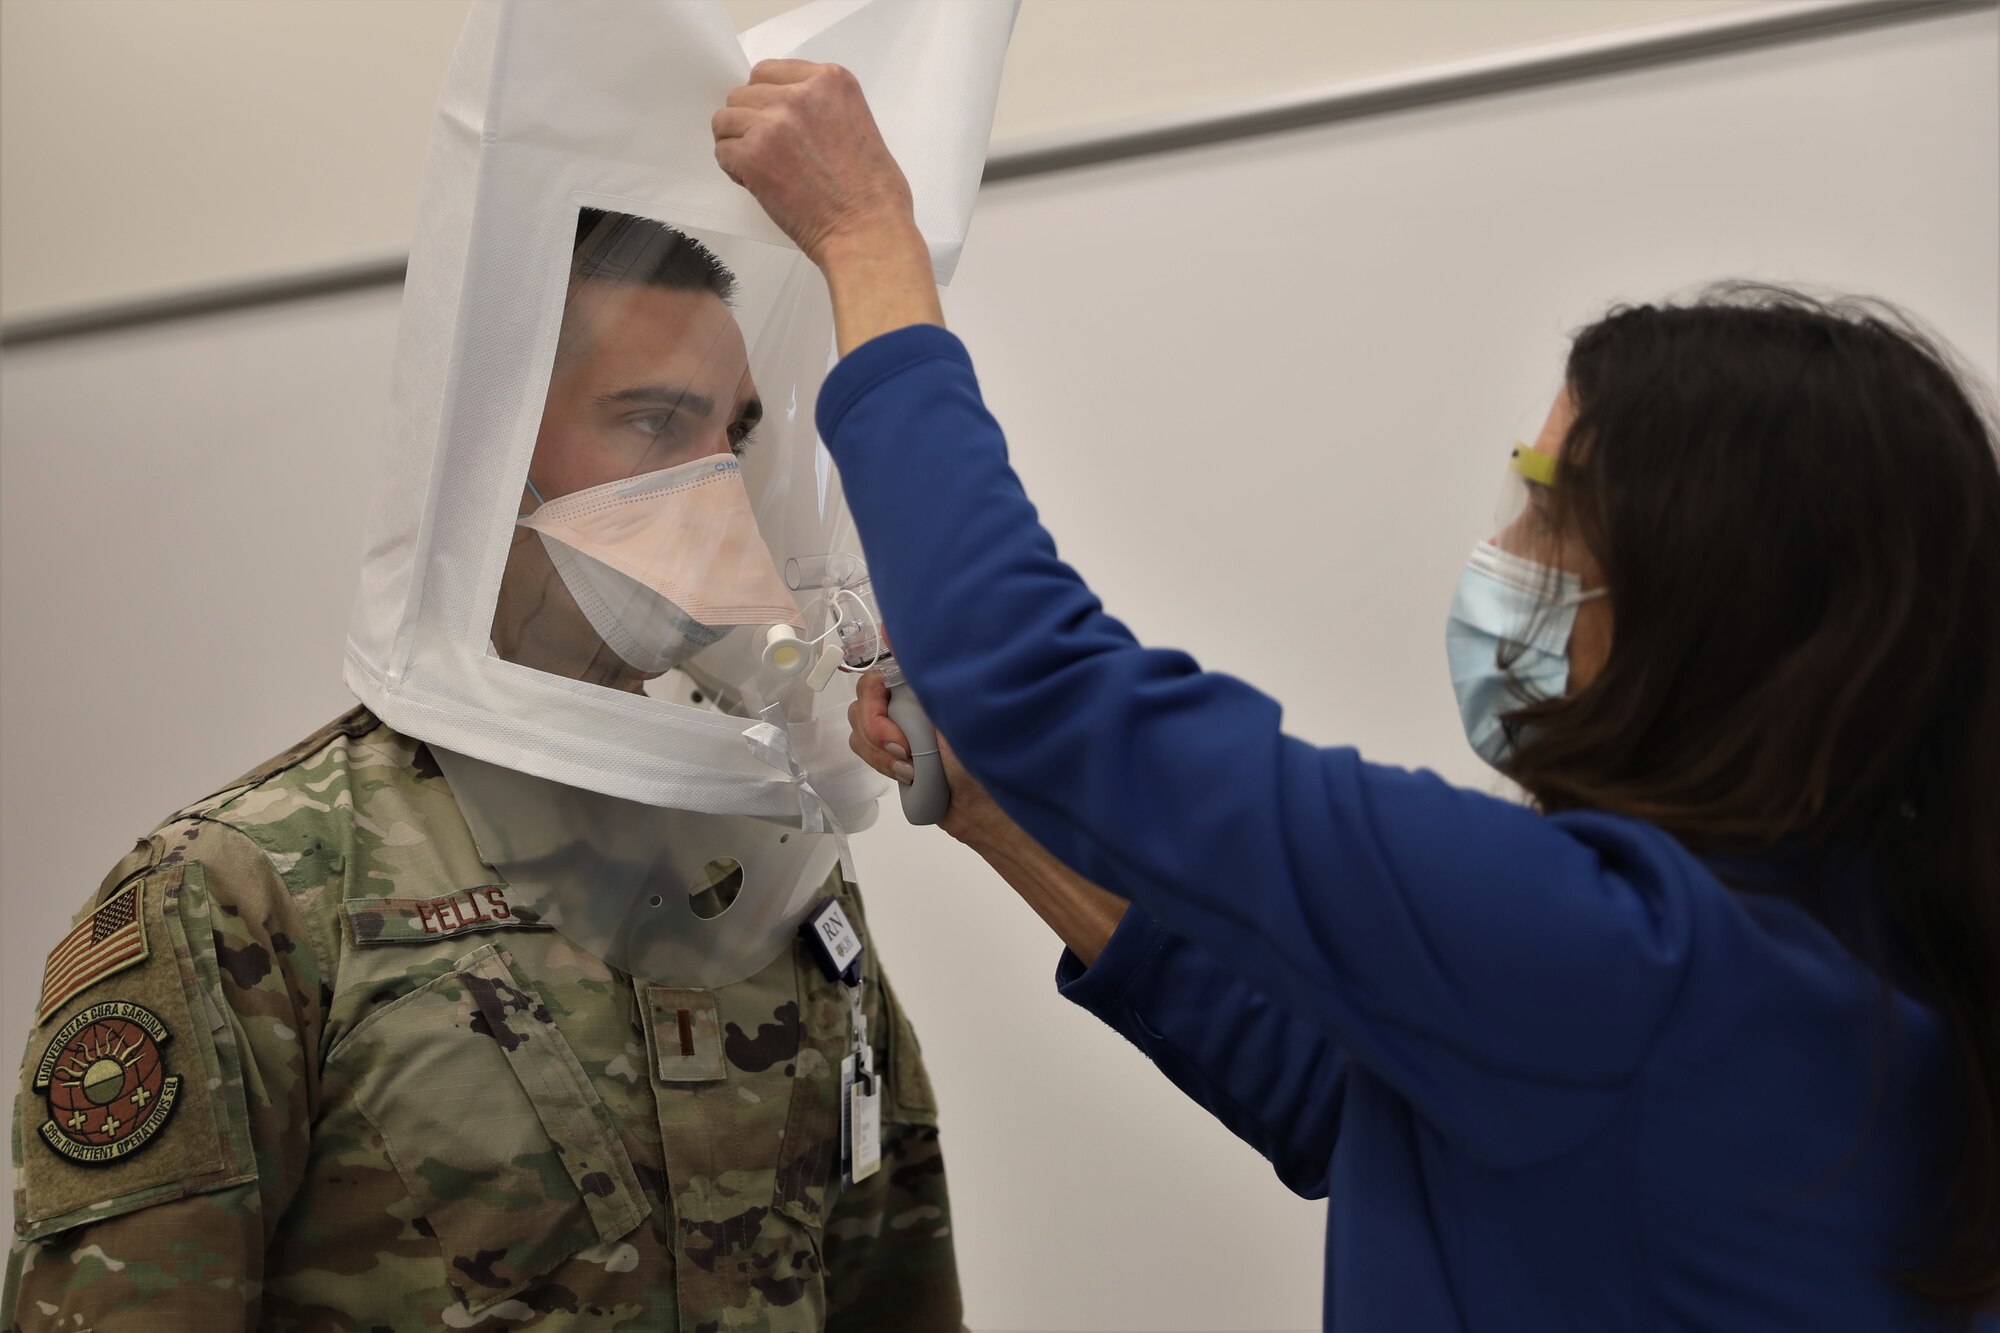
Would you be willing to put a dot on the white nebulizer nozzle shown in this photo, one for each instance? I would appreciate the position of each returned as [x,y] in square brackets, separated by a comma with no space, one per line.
[785,653]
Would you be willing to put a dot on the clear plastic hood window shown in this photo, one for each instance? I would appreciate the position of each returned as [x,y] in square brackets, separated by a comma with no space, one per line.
[640,543]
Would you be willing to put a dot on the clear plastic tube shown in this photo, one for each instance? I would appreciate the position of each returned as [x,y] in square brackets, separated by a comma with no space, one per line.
[841,569]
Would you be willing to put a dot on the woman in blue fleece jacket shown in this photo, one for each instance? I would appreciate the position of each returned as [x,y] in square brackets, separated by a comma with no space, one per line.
[1708,1037]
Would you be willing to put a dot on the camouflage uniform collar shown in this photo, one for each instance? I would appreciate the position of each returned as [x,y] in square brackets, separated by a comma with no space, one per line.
[356,722]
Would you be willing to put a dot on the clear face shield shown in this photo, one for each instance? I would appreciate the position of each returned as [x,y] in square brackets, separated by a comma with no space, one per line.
[1521,521]
[637,546]
[678,542]
[1529,556]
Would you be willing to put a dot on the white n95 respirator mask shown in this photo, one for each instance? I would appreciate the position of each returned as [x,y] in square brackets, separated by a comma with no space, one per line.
[664,564]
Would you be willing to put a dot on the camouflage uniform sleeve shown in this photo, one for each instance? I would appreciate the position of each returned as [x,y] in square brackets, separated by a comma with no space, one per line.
[146,1197]
[890,1263]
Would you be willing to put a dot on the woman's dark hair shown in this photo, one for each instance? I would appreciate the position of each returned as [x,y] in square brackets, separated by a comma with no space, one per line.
[1795,505]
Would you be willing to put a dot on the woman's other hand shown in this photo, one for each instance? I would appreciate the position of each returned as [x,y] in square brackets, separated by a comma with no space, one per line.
[975,819]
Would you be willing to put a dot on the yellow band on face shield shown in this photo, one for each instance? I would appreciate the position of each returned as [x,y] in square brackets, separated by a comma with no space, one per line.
[1533,464]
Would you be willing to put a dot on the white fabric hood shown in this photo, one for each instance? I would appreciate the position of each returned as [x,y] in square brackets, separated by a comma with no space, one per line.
[551,108]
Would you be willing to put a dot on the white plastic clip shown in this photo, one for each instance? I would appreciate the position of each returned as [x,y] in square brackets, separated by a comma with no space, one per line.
[822,670]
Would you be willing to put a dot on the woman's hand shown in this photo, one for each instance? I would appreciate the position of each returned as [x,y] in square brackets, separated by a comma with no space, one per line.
[975,818]
[800,138]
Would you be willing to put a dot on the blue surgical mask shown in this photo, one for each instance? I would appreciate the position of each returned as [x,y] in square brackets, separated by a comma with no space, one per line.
[1505,599]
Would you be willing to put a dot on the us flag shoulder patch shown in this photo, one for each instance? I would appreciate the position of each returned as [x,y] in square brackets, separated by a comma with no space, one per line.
[110,939]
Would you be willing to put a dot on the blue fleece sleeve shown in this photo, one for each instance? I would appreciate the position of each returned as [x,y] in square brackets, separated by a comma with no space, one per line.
[1273,1081]
[1506,972]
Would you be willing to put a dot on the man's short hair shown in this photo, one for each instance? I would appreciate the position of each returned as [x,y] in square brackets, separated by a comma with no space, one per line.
[616,247]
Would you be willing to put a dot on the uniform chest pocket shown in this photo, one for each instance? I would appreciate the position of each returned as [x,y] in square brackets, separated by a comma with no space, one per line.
[492,1125]
[747,1079]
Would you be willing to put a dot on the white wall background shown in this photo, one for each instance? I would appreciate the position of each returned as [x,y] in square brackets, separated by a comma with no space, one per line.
[1293,359]
[259,137]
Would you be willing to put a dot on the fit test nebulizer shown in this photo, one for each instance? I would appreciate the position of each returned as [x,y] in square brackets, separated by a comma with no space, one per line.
[853,641]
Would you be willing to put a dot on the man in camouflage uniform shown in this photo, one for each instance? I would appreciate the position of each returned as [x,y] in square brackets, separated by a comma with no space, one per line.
[402,1104]
[307,1062]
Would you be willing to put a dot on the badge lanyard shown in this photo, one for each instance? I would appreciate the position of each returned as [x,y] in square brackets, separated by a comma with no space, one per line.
[839,948]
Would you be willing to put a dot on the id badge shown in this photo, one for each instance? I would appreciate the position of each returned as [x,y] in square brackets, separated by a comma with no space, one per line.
[865,1121]
[860,1119]
[847,1068]
[836,943]
[860,1094]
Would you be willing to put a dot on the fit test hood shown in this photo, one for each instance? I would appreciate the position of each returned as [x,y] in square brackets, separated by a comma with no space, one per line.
[549,108]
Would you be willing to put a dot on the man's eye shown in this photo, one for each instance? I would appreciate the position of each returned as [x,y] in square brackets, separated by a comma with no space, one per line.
[740,435]
[652,425]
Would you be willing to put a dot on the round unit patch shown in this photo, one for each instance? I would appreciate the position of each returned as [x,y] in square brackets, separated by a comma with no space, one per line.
[107,1087]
